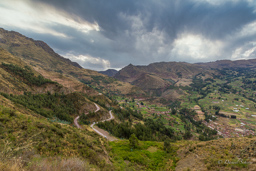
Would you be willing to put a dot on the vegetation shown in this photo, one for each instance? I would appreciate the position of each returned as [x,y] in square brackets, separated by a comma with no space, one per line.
[148,156]
[134,143]
[26,74]
[34,139]
[36,131]
[126,113]
[150,131]
[50,105]
[167,146]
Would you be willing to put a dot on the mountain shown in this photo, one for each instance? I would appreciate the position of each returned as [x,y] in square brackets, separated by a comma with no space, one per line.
[169,72]
[109,72]
[250,63]
[158,79]
[41,93]
[163,79]
[51,65]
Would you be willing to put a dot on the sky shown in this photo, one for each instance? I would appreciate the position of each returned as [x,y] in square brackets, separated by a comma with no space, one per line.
[104,34]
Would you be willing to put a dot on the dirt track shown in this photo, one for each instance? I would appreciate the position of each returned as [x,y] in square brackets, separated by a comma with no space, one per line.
[103,132]
[75,120]
[96,129]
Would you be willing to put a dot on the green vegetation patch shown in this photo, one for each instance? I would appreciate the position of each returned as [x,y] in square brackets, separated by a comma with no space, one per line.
[26,74]
[141,158]
[50,105]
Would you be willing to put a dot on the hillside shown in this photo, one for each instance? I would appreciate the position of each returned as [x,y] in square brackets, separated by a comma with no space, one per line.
[250,63]
[39,99]
[159,78]
[170,72]
[39,56]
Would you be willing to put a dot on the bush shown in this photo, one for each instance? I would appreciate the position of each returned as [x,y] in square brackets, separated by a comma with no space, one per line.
[134,142]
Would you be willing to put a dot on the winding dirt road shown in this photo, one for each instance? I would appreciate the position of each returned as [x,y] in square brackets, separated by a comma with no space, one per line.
[98,108]
[99,131]
[76,123]
[111,117]
[102,132]
[75,120]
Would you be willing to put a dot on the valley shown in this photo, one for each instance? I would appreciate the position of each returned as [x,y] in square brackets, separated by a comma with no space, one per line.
[164,116]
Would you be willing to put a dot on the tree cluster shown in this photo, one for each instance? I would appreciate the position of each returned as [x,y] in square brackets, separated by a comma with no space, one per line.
[26,74]
[49,105]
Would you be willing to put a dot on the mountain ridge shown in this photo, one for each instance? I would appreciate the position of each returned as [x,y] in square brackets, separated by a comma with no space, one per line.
[51,65]
[159,76]
[109,72]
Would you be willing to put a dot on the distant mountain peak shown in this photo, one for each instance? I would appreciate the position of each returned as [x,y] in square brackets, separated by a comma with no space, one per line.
[109,72]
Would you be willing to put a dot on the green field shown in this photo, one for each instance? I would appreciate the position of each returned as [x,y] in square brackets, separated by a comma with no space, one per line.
[228,103]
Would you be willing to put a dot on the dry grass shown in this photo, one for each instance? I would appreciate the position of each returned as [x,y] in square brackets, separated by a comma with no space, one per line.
[46,164]
[58,164]
[14,165]
[152,149]
[211,155]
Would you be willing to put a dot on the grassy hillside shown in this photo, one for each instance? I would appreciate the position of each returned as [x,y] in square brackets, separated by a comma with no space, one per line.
[222,154]
[31,141]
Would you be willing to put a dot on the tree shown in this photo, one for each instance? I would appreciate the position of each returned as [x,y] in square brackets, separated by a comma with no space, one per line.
[174,111]
[167,145]
[134,142]
[187,135]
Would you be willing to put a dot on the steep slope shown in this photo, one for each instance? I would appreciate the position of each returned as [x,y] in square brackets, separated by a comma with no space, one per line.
[109,72]
[15,74]
[45,61]
[31,143]
[39,100]
[221,154]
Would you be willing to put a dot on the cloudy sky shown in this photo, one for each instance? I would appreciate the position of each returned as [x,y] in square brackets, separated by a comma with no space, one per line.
[103,34]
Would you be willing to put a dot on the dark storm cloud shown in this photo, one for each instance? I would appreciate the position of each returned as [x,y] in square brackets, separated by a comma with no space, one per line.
[172,16]
[146,31]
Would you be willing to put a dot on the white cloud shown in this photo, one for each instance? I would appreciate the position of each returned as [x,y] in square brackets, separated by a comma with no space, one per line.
[246,31]
[247,49]
[244,52]
[88,61]
[196,47]
[38,17]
